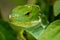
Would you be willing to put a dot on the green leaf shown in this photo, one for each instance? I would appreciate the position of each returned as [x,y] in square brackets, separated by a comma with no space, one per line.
[6,32]
[52,32]
[57,8]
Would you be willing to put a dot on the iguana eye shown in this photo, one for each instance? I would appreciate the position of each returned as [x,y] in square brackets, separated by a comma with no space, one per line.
[27,14]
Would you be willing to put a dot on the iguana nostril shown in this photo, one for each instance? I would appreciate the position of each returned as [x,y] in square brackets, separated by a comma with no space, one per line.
[27,14]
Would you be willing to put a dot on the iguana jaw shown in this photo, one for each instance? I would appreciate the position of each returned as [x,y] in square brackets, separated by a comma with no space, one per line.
[27,24]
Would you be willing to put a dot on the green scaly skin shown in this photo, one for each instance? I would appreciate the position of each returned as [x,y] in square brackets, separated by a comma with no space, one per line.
[25,16]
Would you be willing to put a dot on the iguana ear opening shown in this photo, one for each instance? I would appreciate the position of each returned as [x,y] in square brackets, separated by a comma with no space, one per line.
[27,14]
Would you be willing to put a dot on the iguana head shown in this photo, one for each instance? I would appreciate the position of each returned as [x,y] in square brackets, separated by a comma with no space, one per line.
[25,16]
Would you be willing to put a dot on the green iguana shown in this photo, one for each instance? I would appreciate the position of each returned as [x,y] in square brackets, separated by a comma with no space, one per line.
[25,16]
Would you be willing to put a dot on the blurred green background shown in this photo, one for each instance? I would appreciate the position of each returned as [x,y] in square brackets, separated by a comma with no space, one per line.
[7,5]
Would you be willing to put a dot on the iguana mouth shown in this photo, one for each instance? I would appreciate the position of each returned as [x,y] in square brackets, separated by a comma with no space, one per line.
[27,24]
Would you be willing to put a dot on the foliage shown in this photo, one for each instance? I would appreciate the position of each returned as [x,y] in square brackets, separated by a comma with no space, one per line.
[52,32]
[47,29]
[6,32]
[57,8]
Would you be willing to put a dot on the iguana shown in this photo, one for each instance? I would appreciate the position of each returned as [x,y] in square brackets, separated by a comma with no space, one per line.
[25,16]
